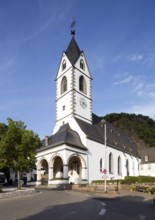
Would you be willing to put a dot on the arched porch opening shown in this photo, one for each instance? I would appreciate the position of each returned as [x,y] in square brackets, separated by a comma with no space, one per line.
[58,167]
[44,171]
[74,169]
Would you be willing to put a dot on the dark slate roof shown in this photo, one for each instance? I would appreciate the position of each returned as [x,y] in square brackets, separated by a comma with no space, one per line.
[116,138]
[150,152]
[65,135]
[73,51]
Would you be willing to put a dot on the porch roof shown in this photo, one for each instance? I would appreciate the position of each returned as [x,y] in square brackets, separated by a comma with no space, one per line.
[65,135]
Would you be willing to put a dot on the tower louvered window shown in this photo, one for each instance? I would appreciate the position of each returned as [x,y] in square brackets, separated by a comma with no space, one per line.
[82,85]
[63,64]
[63,85]
[82,65]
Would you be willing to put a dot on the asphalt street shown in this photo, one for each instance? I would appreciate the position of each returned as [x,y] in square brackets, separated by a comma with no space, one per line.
[67,205]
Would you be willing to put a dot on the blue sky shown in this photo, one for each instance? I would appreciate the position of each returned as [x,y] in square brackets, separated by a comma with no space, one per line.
[117,36]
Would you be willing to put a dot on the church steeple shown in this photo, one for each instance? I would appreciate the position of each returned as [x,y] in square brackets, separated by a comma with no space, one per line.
[73,87]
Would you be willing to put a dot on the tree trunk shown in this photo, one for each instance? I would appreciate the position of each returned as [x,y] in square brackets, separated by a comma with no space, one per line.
[19,182]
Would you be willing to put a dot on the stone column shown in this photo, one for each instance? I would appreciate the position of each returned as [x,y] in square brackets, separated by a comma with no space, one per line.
[38,177]
[50,175]
[65,171]
[84,173]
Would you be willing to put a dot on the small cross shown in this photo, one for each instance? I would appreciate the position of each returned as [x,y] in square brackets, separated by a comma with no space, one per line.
[73,23]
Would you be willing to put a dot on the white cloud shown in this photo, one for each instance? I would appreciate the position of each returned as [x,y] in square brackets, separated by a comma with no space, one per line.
[50,17]
[150,59]
[135,57]
[144,109]
[128,79]
[125,78]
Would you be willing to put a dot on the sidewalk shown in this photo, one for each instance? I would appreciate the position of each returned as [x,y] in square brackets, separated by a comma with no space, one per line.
[10,192]
[128,194]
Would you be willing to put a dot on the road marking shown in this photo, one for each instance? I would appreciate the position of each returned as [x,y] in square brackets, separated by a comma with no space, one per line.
[102,212]
[102,203]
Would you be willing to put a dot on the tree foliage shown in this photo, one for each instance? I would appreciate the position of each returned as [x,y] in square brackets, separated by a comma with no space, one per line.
[17,146]
[141,128]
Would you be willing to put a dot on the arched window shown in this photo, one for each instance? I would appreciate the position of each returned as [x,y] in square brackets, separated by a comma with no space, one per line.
[63,64]
[119,166]
[127,167]
[111,163]
[82,85]
[82,65]
[101,165]
[63,85]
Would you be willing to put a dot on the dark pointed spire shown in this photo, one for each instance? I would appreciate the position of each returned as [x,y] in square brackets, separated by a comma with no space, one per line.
[73,51]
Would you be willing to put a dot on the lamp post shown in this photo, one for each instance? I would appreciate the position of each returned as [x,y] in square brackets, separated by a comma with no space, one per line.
[103,122]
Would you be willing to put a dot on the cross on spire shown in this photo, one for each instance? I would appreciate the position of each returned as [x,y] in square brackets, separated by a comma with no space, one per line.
[72,26]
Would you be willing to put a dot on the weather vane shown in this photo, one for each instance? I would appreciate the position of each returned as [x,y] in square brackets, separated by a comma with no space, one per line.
[72,26]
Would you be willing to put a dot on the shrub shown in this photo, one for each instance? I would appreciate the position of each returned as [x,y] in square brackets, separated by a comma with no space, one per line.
[139,179]
[150,190]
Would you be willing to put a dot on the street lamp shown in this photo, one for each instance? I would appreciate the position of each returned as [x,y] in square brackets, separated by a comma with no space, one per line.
[103,123]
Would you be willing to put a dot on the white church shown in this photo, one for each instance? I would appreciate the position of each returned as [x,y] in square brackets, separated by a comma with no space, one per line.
[82,147]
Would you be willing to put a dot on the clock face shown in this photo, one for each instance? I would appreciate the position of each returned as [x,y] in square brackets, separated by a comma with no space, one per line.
[83,103]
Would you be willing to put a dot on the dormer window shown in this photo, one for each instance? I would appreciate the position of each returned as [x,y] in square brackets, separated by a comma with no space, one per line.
[63,85]
[146,158]
[82,65]
[63,65]
[82,85]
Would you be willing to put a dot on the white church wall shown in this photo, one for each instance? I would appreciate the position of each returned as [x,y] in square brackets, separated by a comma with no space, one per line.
[147,169]
[74,126]
[96,151]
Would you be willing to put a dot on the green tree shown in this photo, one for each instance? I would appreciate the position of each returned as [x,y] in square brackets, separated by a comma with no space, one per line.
[18,148]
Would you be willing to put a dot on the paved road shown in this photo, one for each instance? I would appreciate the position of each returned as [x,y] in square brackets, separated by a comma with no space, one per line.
[51,205]
[69,205]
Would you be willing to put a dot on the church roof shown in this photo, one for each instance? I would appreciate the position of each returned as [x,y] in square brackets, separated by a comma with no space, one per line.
[73,51]
[65,135]
[149,152]
[116,138]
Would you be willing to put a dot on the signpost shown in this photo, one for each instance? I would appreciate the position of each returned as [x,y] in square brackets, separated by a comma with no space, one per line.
[103,123]
[104,171]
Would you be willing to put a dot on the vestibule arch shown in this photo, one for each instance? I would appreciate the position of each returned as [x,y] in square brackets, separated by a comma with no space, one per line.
[56,166]
[76,168]
[42,171]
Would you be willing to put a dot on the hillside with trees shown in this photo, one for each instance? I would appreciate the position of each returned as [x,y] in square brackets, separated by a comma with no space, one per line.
[140,128]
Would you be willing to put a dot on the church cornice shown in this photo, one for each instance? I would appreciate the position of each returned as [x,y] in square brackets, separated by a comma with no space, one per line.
[74,90]
[63,73]
[89,77]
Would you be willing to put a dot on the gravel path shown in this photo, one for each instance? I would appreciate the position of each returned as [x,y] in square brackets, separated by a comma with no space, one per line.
[14,192]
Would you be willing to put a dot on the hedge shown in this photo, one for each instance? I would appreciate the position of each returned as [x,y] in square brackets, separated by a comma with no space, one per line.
[129,180]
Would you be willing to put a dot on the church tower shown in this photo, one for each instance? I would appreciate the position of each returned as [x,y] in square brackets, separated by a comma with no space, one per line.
[73,86]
